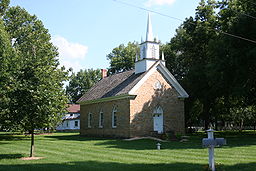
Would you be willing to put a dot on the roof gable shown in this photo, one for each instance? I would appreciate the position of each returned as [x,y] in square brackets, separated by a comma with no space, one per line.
[161,68]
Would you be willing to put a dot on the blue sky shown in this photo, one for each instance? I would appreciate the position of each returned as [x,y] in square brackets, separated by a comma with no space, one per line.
[85,31]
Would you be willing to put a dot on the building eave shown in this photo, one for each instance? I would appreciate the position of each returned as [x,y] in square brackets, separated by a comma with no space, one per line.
[173,81]
[120,97]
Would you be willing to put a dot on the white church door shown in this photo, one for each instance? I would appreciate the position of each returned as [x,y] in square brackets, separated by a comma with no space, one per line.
[158,120]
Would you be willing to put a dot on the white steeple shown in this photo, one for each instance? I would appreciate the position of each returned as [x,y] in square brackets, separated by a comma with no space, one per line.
[149,51]
[149,34]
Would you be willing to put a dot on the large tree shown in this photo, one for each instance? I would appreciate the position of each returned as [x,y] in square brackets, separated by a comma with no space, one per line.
[235,61]
[37,99]
[122,58]
[192,59]
[214,62]
[81,82]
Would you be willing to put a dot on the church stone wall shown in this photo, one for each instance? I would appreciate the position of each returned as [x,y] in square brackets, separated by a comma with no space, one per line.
[148,98]
[123,119]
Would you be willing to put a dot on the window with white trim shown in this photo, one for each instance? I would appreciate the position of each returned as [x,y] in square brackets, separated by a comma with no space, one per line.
[114,117]
[101,119]
[89,120]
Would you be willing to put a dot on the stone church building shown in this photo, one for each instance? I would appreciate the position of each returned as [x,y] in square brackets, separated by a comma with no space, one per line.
[142,102]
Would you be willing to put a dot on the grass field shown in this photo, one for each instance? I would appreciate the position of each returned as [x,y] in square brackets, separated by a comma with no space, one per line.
[69,151]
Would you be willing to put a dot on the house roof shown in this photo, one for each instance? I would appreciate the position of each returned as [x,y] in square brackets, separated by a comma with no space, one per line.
[71,117]
[73,108]
[114,85]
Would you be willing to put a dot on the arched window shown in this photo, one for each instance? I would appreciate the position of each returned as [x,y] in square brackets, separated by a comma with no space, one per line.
[114,117]
[153,50]
[101,119]
[158,111]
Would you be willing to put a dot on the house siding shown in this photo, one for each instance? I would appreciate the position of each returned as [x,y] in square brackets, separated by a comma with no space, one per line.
[123,119]
[148,97]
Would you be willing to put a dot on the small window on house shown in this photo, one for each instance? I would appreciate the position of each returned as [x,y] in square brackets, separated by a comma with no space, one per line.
[71,114]
[66,123]
[101,119]
[89,120]
[114,118]
[76,123]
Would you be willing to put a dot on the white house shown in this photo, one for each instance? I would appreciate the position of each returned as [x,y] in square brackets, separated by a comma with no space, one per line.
[71,121]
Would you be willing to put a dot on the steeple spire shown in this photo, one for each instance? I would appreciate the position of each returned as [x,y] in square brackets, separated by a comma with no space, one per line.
[149,34]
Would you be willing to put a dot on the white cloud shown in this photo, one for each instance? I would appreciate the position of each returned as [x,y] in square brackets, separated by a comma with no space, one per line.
[150,3]
[70,54]
[69,49]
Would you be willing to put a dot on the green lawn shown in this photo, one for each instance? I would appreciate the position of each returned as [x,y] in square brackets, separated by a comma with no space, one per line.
[69,151]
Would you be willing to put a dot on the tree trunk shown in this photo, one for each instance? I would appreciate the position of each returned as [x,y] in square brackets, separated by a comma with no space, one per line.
[216,125]
[241,125]
[206,114]
[32,148]
[206,124]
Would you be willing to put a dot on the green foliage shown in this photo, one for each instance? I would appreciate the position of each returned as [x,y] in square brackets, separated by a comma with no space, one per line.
[122,58]
[81,82]
[38,97]
[33,90]
[7,67]
[213,67]
[190,53]
[4,4]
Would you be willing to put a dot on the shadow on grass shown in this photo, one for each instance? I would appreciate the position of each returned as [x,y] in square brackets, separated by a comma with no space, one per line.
[145,144]
[74,138]
[10,156]
[195,141]
[11,137]
[94,165]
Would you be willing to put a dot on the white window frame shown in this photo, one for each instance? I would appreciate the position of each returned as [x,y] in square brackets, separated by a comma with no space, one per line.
[101,119]
[89,120]
[114,120]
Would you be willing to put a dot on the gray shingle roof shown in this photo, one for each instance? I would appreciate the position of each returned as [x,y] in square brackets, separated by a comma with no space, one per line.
[114,85]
